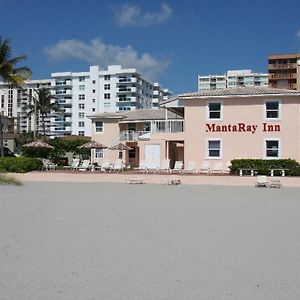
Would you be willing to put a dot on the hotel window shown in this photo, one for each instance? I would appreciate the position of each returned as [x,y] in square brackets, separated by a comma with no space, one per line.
[106,104]
[94,81]
[106,77]
[81,106]
[81,79]
[81,97]
[80,132]
[272,149]
[99,126]
[272,109]
[214,110]
[214,149]
[81,87]
[99,153]
[81,124]
[107,86]
[106,96]
[81,115]
[93,109]
[94,91]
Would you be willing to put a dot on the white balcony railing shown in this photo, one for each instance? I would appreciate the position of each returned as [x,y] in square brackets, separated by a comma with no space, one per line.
[156,127]
[131,135]
[167,126]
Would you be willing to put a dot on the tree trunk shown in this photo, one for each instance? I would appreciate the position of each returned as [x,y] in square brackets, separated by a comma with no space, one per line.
[44,126]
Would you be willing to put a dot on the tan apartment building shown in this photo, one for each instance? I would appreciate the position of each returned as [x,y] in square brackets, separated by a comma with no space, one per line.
[284,71]
[212,127]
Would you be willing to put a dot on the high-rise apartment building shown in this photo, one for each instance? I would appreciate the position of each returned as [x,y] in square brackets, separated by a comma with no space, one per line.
[83,94]
[232,79]
[80,94]
[12,101]
[284,71]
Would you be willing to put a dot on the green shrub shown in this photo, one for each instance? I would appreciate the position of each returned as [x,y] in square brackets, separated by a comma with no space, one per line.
[263,166]
[19,164]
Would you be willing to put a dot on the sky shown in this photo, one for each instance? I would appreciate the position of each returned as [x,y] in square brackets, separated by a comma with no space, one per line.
[169,42]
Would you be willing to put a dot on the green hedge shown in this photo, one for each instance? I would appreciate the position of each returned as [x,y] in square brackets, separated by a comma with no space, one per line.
[263,166]
[20,164]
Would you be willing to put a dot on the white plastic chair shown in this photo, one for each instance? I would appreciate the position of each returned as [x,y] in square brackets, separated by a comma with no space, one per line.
[86,165]
[178,166]
[191,168]
[261,181]
[218,168]
[165,165]
[205,167]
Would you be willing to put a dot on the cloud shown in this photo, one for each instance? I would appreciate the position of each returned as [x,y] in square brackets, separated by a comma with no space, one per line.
[131,15]
[298,33]
[97,52]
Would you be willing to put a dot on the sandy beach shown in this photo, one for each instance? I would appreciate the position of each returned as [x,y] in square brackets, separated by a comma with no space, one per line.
[97,240]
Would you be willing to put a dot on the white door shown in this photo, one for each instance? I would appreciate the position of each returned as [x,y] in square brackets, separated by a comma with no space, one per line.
[152,156]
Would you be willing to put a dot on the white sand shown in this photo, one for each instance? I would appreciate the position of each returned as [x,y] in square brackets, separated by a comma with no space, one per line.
[117,241]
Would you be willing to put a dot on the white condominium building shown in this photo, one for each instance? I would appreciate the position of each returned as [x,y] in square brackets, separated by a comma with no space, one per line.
[12,101]
[232,79]
[83,94]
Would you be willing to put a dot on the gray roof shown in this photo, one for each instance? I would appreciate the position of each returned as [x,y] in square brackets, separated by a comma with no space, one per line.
[237,92]
[138,115]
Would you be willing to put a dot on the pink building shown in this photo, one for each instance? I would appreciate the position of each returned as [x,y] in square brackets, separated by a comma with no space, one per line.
[211,128]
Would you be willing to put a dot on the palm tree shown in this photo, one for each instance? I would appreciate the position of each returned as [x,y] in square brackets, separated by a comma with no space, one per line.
[10,74]
[42,106]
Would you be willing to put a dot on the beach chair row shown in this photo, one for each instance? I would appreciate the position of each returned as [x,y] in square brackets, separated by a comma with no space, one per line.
[206,167]
[105,166]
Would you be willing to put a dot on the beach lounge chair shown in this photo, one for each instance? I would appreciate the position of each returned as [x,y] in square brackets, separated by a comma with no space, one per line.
[106,166]
[118,166]
[275,183]
[135,180]
[75,163]
[178,166]
[205,167]
[217,168]
[261,181]
[171,181]
[85,166]
[191,167]
[165,165]
[48,165]
[143,166]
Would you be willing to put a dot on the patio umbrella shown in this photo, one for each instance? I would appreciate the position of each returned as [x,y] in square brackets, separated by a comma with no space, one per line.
[38,144]
[92,145]
[119,146]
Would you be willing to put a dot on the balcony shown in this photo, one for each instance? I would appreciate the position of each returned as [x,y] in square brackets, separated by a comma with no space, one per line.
[282,66]
[283,76]
[167,126]
[127,90]
[132,136]
[60,84]
[127,99]
[156,127]
[64,92]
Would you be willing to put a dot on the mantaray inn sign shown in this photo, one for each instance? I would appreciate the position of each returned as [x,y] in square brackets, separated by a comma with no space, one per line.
[242,127]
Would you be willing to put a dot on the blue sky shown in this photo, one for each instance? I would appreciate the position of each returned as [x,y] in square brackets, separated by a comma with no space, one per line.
[167,41]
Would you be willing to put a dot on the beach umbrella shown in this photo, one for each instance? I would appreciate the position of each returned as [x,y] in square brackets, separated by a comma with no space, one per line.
[38,144]
[119,146]
[92,145]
